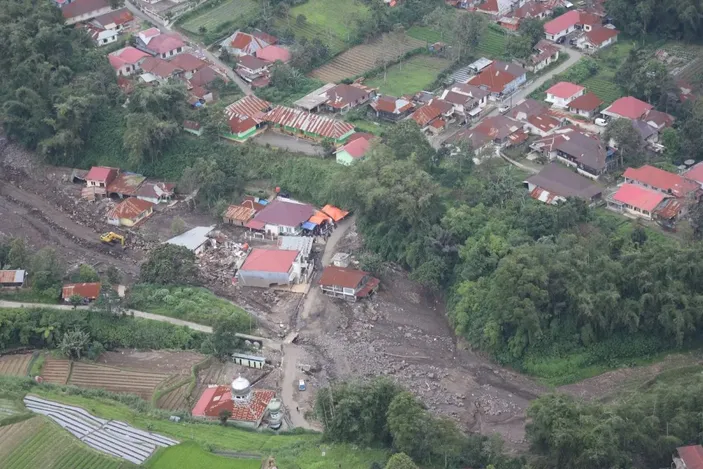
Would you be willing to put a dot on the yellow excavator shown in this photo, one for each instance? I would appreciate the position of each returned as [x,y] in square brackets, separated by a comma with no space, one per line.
[112,238]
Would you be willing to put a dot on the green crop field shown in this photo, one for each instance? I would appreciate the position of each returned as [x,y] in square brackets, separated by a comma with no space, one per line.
[604,87]
[492,43]
[331,21]
[236,12]
[411,76]
[192,456]
[40,443]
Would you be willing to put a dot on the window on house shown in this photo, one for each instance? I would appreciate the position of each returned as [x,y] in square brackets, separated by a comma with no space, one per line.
[179,50]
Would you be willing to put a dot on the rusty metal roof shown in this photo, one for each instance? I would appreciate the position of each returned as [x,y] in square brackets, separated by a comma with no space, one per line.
[85,290]
[12,276]
[248,106]
[126,184]
[129,208]
[239,212]
[310,123]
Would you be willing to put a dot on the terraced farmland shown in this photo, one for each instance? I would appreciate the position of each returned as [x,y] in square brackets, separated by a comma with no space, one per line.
[15,365]
[8,408]
[360,59]
[40,443]
[238,12]
[56,370]
[492,44]
[141,383]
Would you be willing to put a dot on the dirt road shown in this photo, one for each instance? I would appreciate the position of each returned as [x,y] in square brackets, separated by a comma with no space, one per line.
[134,312]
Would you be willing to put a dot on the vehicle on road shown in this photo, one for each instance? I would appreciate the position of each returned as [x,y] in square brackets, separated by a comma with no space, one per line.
[301,385]
[503,108]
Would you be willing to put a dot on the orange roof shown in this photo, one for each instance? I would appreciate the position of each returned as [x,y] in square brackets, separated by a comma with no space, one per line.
[334,212]
[239,212]
[215,399]
[85,290]
[319,218]
[130,208]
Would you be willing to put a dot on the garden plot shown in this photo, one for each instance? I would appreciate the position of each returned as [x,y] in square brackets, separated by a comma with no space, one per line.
[40,443]
[141,383]
[413,75]
[111,437]
[56,370]
[7,408]
[231,11]
[176,399]
[361,59]
[15,365]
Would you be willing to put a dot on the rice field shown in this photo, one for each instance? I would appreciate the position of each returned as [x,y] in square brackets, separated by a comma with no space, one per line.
[40,443]
[238,12]
[360,59]
[413,75]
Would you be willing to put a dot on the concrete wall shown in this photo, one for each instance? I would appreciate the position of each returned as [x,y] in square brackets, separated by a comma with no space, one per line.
[262,279]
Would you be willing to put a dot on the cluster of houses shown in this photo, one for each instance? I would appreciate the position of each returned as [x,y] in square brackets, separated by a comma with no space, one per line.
[255,53]
[157,57]
[136,193]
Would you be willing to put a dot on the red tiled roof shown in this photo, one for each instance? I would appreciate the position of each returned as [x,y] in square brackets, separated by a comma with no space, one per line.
[565,89]
[117,17]
[543,122]
[204,77]
[126,56]
[660,119]
[695,173]
[391,105]
[692,456]
[216,399]
[357,148]
[343,95]
[662,180]
[159,67]
[269,260]
[81,7]
[342,277]
[129,208]
[266,37]
[531,9]
[586,102]
[251,62]
[101,173]
[188,62]
[489,5]
[284,213]
[85,290]
[629,107]
[562,23]
[241,124]
[425,115]
[247,43]
[639,197]
[308,122]
[273,53]
[497,76]
[599,34]
[165,42]
[364,135]
[438,123]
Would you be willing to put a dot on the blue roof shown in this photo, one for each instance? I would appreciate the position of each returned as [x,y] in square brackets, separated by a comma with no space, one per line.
[308,225]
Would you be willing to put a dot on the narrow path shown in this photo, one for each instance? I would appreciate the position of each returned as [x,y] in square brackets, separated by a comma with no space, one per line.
[137,314]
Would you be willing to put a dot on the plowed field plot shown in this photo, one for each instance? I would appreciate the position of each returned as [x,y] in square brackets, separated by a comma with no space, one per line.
[40,443]
[176,399]
[15,365]
[361,59]
[233,11]
[141,383]
[56,370]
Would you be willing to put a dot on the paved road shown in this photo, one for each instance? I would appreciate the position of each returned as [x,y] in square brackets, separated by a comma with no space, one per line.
[210,56]
[137,314]
[288,142]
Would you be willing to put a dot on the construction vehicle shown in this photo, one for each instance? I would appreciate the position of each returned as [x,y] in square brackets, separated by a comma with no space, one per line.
[112,237]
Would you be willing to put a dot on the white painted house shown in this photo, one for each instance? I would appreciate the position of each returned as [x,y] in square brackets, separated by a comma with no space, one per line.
[562,93]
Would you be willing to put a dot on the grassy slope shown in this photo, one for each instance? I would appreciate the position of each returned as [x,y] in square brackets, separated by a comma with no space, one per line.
[410,77]
[492,43]
[239,11]
[333,16]
[292,451]
[192,456]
